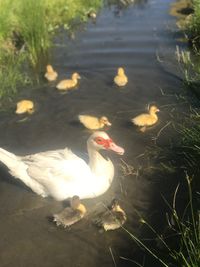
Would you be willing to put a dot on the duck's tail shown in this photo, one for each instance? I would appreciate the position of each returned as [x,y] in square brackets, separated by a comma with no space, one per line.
[9,159]
[18,169]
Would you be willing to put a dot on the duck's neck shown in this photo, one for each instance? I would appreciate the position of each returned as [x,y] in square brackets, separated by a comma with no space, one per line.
[74,80]
[153,114]
[96,161]
[101,124]
[50,70]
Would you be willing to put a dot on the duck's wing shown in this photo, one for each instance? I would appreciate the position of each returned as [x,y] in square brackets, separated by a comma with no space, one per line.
[141,119]
[58,164]
[67,217]
[112,220]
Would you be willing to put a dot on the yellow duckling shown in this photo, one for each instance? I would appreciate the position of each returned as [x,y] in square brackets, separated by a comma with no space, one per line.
[121,79]
[113,218]
[94,123]
[24,106]
[146,119]
[70,83]
[50,74]
[72,214]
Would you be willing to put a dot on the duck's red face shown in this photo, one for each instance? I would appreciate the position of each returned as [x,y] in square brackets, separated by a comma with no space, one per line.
[108,144]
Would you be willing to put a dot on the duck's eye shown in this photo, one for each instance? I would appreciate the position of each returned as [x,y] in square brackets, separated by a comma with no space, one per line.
[98,140]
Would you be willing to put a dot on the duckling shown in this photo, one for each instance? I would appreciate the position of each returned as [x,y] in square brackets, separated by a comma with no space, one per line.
[24,106]
[146,119]
[69,83]
[72,214]
[92,14]
[94,123]
[121,79]
[113,218]
[50,74]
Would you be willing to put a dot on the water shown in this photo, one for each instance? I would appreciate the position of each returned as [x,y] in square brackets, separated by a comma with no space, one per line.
[140,38]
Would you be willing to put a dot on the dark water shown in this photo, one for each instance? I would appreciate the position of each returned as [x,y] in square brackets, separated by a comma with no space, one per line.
[137,37]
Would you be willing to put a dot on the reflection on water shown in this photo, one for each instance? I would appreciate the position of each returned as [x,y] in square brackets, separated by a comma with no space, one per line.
[131,40]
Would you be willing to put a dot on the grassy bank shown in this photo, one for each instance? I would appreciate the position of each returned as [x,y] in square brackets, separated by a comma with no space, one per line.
[26,31]
[187,13]
[177,241]
[184,231]
[194,25]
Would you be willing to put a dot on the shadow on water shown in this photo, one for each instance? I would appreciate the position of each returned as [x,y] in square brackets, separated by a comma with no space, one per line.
[130,39]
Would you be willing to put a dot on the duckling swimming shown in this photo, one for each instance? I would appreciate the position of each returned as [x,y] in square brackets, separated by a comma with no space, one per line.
[72,214]
[113,218]
[50,74]
[94,123]
[92,14]
[69,83]
[121,79]
[146,119]
[24,106]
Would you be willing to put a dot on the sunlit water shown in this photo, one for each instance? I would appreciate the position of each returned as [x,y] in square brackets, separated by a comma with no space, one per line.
[141,39]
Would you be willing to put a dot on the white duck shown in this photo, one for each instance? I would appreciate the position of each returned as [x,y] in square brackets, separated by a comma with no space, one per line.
[61,174]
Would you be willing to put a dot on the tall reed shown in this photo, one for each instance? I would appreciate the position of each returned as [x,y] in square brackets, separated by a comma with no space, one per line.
[194,25]
[11,74]
[33,28]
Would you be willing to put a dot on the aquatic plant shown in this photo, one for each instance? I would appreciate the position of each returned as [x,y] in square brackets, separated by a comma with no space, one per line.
[189,64]
[186,227]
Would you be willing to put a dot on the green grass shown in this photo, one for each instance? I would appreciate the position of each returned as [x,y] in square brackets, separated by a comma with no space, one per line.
[11,74]
[7,20]
[185,226]
[33,28]
[189,64]
[194,25]
[26,31]
[191,134]
[189,61]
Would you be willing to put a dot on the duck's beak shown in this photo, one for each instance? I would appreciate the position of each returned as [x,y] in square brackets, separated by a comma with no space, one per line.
[108,123]
[117,149]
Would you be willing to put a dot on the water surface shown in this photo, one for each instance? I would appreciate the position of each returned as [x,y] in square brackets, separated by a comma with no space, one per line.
[141,39]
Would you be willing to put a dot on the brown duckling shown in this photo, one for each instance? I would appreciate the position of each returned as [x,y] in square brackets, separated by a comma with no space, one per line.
[69,83]
[146,119]
[94,123]
[120,79]
[24,106]
[113,218]
[72,214]
[50,74]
